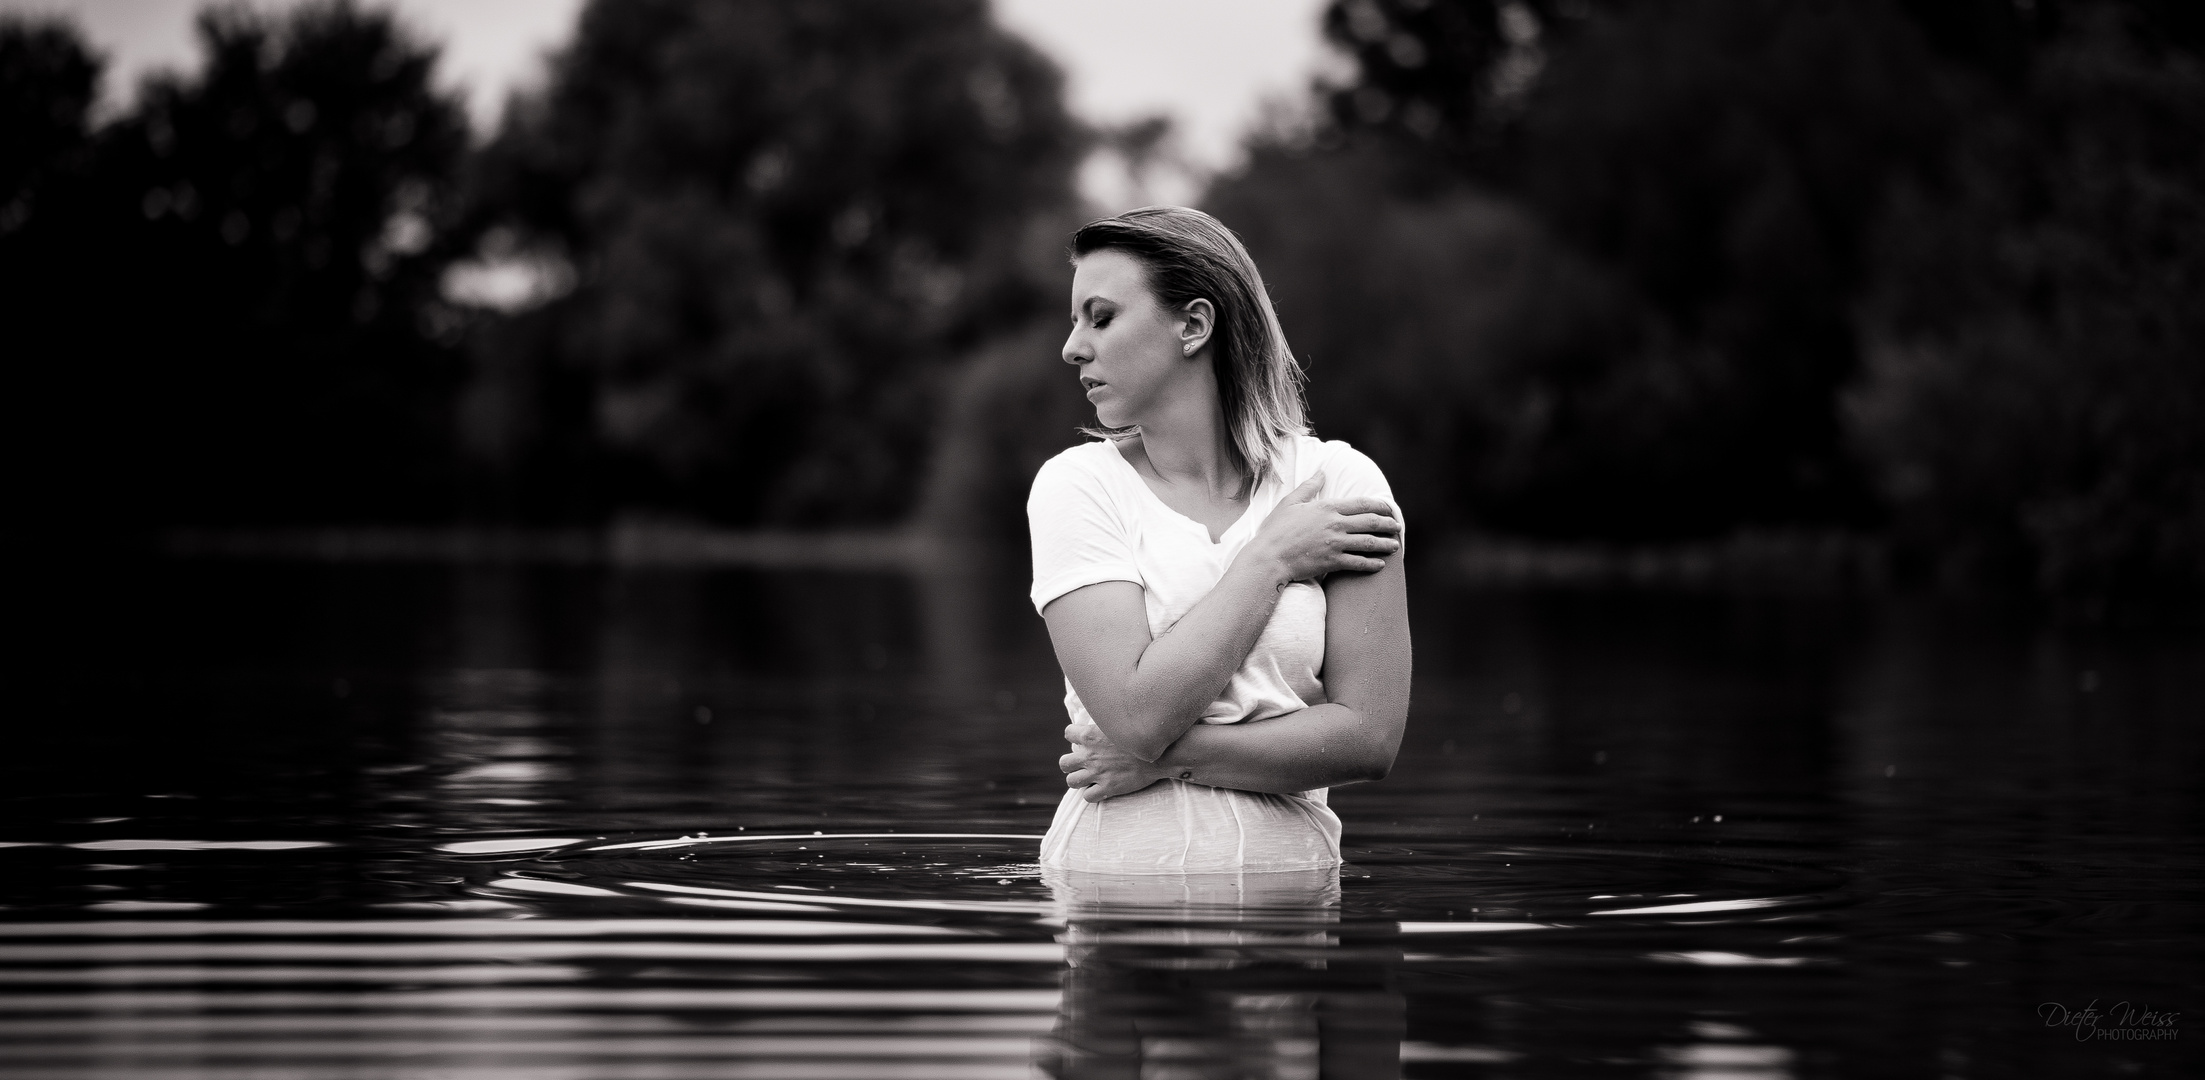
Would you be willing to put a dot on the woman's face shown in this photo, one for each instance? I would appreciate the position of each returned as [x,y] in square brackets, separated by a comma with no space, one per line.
[1130,352]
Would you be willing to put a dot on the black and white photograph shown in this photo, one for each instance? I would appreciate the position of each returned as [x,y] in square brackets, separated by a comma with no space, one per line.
[1102,539]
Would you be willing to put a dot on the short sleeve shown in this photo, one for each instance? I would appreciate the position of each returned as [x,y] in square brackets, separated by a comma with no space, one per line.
[1350,472]
[1078,535]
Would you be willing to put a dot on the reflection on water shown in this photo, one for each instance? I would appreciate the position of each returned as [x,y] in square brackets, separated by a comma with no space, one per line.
[311,822]
[1225,975]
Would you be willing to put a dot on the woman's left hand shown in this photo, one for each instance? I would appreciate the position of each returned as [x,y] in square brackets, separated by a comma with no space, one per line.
[1099,769]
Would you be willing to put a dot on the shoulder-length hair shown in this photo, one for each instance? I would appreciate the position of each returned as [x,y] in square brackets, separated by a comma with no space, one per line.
[1190,256]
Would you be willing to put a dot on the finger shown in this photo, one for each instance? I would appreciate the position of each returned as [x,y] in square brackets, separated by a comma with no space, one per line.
[1362,504]
[1356,536]
[1383,524]
[1080,779]
[1359,564]
[1366,544]
[1072,761]
[1309,488]
[1094,793]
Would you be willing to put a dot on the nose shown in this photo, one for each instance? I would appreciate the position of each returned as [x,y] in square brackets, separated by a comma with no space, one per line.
[1076,349]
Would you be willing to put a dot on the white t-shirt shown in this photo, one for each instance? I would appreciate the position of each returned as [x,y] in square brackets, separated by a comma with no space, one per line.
[1094,519]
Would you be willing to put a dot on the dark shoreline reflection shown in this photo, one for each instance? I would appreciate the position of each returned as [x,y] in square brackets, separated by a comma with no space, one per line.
[1221,975]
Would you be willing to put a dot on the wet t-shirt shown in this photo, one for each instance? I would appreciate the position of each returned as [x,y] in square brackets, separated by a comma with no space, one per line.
[1094,519]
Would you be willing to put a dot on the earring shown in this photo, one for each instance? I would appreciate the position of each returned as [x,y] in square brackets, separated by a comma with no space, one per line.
[1188,348]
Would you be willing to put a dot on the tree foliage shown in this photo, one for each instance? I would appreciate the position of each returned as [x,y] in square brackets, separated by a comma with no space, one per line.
[47,80]
[2034,404]
[785,220]
[1687,266]
[1714,166]
[1617,269]
[231,314]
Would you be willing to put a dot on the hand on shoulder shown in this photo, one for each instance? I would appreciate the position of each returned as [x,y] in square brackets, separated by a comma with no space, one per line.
[1308,536]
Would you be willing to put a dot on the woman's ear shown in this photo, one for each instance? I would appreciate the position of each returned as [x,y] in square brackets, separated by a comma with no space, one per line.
[1196,322]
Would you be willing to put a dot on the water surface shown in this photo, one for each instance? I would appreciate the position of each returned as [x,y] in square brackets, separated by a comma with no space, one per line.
[295,821]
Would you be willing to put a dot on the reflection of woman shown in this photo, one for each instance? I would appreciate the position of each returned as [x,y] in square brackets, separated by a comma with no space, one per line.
[1226,975]
[1224,591]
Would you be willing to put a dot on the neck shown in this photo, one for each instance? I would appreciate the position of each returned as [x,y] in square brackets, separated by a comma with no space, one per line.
[1187,444]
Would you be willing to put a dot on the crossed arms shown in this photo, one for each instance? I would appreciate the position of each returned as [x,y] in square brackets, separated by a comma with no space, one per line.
[1145,693]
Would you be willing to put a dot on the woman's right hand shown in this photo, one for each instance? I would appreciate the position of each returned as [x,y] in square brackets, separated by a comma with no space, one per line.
[1098,770]
[1308,537]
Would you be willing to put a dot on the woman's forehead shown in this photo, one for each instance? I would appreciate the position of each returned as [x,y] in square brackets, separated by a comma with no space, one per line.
[1108,274]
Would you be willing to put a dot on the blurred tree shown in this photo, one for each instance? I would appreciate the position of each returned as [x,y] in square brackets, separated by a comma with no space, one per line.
[2035,399]
[1443,76]
[48,80]
[1009,409]
[1406,311]
[295,192]
[1711,166]
[1996,203]
[1726,158]
[785,220]
[242,305]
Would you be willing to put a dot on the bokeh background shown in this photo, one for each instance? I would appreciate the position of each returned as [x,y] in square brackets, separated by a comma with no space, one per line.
[1903,291]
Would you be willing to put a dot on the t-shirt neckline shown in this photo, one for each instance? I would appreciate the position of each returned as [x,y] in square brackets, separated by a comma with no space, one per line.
[1246,512]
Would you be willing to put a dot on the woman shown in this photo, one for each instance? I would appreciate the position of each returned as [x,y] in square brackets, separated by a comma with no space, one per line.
[1224,591]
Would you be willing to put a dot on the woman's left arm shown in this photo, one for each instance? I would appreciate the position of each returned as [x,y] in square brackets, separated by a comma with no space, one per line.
[1353,737]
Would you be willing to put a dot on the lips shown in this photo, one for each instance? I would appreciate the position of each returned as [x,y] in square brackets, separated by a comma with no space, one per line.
[1091,385]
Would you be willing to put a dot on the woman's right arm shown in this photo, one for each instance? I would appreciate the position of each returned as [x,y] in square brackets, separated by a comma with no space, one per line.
[1352,737]
[1143,692]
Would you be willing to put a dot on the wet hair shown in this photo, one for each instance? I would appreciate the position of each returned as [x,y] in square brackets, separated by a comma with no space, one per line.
[1190,256]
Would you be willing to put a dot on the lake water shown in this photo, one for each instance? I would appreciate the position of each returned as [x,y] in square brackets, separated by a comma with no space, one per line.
[321,822]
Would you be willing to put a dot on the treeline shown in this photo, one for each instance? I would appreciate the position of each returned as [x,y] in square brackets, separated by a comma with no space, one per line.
[1925,269]
[223,306]
[1619,270]
[723,266]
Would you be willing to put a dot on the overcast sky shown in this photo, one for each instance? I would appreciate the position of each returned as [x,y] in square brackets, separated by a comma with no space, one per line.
[1208,63]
